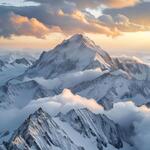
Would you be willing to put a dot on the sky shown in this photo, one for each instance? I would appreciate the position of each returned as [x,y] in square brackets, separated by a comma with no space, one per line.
[118,26]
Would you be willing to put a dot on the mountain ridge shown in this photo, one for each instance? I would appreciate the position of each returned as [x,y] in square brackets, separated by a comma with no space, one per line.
[40,131]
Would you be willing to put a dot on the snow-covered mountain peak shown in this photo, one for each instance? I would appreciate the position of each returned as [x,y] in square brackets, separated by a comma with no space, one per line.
[75,54]
[38,113]
[81,39]
[40,132]
[82,42]
[77,37]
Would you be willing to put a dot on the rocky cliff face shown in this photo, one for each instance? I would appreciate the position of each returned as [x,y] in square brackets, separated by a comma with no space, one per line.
[91,125]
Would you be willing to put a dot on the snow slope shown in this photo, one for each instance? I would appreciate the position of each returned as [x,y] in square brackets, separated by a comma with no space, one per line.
[12,65]
[78,64]
[75,54]
[41,131]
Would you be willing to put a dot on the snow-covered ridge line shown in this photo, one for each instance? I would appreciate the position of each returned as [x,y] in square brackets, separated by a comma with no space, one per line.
[40,131]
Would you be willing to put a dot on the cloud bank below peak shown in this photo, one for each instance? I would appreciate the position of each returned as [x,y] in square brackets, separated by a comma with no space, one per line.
[126,114]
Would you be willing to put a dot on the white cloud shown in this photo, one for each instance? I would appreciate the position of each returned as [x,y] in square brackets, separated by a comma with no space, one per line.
[53,105]
[69,79]
[127,114]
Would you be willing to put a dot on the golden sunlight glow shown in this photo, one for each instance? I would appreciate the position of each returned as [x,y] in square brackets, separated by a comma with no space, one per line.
[23,42]
[80,16]
[129,42]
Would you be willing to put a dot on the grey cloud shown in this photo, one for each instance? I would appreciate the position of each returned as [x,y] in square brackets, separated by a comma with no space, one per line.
[68,17]
[12,24]
[48,16]
[90,3]
[122,23]
[139,14]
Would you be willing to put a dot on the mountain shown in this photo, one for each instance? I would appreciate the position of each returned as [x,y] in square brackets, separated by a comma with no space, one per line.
[20,94]
[136,68]
[75,54]
[22,61]
[91,125]
[13,65]
[41,131]
[125,78]
[9,57]
[89,72]
[79,53]
[113,87]
[2,64]
[78,64]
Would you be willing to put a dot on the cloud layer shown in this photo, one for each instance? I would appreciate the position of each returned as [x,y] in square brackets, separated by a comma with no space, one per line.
[53,105]
[69,17]
[20,25]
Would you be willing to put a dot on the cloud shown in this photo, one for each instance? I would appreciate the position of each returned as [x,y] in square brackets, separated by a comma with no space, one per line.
[68,17]
[127,115]
[53,105]
[124,113]
[91,3]
[46,18]
[69,101]
[139,14]
[142,132]
[68,80]
[120,3]
[122,23]
[12,24]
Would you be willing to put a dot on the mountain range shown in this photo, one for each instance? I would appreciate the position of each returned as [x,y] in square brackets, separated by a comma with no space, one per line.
[88,71]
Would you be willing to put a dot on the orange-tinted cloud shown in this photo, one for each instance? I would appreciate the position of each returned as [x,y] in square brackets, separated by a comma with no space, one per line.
[139,14]
[30,27]
[78,22]
[90,3]
[122,23]
[67,17]
[21,25]
[120,3]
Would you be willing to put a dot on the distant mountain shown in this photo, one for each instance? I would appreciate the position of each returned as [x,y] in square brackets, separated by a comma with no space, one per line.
[40,131]
[20,94]
[22,61]
[12,65]
[113,87]
[9,57]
